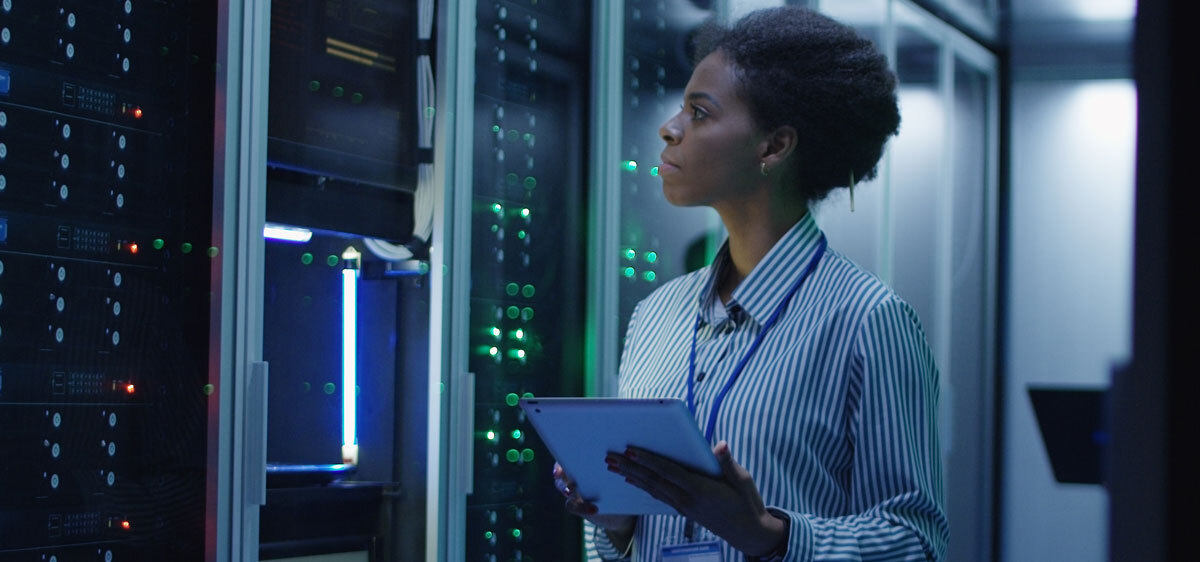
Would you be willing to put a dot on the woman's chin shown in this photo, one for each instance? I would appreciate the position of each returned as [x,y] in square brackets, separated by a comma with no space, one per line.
[679,196]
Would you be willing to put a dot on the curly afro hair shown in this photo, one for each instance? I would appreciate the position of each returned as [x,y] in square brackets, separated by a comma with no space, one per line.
[800,68]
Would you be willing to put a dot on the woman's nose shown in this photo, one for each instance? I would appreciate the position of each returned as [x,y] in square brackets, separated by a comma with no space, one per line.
[669,131]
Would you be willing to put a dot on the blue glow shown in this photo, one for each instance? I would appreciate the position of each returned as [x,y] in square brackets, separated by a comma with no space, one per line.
[349,359]
[286,233]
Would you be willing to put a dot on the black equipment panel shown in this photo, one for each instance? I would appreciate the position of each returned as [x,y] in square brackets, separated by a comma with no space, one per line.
[106,257]
[343,100]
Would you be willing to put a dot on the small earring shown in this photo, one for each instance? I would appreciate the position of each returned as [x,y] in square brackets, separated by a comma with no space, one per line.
[763,168]
[851,191]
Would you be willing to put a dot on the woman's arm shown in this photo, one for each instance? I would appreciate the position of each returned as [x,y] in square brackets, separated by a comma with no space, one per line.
[896,482]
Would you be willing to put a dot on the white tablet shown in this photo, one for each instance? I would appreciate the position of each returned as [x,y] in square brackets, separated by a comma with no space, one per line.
[579,432]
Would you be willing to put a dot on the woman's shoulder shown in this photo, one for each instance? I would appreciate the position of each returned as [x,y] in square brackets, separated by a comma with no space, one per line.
[848,286]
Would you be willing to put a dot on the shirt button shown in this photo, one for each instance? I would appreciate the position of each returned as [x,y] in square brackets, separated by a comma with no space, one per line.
[729,328]
[700,376]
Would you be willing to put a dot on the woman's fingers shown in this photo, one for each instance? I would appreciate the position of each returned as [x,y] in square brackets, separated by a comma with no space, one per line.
[562,481]
[578,506]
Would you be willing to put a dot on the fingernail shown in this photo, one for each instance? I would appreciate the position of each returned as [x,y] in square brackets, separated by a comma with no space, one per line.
[612,468]
[630,453]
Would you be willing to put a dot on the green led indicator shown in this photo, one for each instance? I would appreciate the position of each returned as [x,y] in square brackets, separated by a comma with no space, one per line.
[332,260]
[629,165]
[495,228]
[306,258]
[525,212]
[630,253]
[208,389]
[497,208]
[512,179]
[338,91]
[423,267]
[512,289]
[521,234]
[495,128]
[511,399]
[158,243]
[495,331]
[654,171]
[212,251]
[512,455]
[305,387]
[651,257]
[516,434]
[516,533]
[516,353]
[527,136]
[314,86]
[330,388]
[513,312]
[430,111]
[527,455]
[649,276]
[513,135]
[356,98]
[527,291]
[489,535]
[186,247]
[629,272]
[527,314]
[519,334]
[530,182]
[491,435]
[527,395]
[493,351]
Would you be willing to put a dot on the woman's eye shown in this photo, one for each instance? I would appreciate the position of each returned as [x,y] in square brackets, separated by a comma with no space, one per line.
[698,113]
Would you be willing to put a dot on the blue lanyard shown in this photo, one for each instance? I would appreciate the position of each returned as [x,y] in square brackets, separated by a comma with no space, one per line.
[737,370]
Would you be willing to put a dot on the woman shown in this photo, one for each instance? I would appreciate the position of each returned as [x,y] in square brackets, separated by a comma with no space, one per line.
[804,368]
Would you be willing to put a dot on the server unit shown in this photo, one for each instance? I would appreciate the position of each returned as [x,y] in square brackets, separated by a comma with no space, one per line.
[527,263]
[107,262]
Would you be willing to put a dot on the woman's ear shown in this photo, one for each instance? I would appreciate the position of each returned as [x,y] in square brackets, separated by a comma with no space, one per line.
[778,146]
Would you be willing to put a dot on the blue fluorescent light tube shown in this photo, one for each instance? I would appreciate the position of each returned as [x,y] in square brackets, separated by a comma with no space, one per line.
[286,233]
[349,359]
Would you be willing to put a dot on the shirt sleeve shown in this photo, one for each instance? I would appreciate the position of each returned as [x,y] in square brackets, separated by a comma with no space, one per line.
[597,546]
[895,495]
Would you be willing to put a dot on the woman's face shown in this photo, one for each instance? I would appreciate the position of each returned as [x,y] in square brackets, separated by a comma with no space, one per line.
[713,144]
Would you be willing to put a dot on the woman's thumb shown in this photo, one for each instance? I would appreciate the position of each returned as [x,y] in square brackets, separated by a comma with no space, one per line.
[725,458]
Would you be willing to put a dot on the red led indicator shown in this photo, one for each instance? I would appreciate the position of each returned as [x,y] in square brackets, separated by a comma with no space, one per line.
[125,525]
[133,248]
[129,388]
[137,113]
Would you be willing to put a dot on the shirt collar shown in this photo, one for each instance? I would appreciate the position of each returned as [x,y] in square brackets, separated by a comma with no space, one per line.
[760,292]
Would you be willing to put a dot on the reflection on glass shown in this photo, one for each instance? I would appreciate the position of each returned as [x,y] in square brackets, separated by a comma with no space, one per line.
[968,411]
[918,153]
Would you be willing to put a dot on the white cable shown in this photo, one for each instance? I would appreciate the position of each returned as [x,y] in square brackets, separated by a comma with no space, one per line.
[423,196]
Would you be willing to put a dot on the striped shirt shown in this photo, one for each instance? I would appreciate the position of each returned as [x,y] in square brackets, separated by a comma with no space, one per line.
[835,415]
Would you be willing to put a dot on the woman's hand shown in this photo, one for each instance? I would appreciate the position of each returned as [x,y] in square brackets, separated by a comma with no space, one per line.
[729,506]
[619,528]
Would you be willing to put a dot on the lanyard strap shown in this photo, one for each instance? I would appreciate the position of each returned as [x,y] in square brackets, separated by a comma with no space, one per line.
[737,370]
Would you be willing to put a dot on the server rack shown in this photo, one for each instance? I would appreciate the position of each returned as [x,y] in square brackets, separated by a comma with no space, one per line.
[110,276]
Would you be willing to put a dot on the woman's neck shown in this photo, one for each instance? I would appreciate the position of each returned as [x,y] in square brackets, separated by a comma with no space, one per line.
[753,231]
